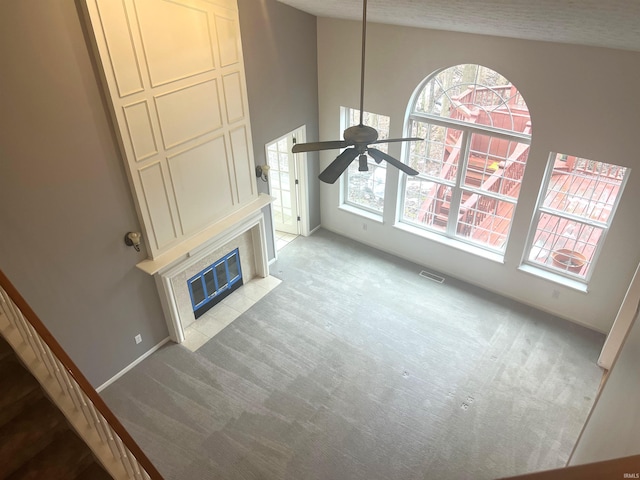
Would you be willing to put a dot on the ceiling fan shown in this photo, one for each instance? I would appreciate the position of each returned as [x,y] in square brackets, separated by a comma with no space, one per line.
[358,138]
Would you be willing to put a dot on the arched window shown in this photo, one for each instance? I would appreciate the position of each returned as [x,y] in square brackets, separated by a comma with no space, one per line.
[477,132]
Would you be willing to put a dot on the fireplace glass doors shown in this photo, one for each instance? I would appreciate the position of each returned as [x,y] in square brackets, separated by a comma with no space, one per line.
[215,282]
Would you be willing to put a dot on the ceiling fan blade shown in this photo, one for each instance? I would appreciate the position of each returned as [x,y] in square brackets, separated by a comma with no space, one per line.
[317,146]
[389,140]
[378,156]
[339,165]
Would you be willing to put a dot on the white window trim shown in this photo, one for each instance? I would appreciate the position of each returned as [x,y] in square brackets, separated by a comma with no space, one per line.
[451,242]
[357,210]
[467,131]
[345,203]
[553,274]
[555,277]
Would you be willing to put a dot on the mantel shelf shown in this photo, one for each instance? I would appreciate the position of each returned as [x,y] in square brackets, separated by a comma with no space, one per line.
[185,248]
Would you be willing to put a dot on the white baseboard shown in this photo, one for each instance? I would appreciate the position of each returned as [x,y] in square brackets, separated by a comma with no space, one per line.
[131,365]
[315,230]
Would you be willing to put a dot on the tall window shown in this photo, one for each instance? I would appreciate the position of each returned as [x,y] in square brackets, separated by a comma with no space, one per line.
[365,190]
[574,214]
[477,132]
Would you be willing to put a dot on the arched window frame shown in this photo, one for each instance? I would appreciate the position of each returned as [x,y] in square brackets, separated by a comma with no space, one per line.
[457,185]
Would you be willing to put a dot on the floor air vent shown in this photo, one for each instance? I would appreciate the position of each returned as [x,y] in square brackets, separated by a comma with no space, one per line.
[432,276]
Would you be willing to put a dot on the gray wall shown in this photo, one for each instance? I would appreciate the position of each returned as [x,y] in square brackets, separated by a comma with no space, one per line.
[280,56]
[65,203]
[613,427]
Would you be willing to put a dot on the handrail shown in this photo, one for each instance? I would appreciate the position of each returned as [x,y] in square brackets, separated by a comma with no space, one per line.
[615,468]
[72,370]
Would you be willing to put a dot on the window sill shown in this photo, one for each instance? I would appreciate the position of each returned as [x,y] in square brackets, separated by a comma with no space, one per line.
[450,242]
[376,217]
[553,277]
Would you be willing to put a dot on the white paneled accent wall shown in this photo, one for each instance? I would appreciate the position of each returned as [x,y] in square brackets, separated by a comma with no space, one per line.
[175,76]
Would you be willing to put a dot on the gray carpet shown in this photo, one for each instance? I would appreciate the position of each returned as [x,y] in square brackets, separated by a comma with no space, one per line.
[355,367]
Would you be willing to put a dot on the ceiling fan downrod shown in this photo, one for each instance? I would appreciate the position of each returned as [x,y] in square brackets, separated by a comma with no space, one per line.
[358,138]
[364,42]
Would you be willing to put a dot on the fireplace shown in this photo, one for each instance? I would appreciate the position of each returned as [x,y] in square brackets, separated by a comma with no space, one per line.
[213,284]
[187,266]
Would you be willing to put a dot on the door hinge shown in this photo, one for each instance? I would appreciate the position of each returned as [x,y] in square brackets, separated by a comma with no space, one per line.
[297,182]
[298,218]
[294,140]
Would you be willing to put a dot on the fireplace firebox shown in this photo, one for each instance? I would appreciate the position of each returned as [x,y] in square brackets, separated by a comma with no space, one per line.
[211,285]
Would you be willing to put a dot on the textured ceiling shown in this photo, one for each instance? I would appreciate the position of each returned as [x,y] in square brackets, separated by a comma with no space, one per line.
[603,23]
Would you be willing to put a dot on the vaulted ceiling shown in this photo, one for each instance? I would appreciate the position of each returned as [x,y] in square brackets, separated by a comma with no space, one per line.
[602,23]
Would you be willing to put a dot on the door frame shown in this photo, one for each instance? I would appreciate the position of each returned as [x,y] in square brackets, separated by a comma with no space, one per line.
[300,134]
[301,174]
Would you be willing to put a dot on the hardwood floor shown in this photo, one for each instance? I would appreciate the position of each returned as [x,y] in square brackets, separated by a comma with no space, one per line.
[36,442]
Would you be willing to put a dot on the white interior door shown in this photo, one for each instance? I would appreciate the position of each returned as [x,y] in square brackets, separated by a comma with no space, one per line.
[284,182]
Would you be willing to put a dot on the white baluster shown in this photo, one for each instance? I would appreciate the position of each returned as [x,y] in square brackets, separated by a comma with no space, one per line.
[84,402]
[29,332]
[32,337]
[46,360]
[112,443]
[124,458]
[137,469]
[69,387]
[4,305]
[13,318]
[56,369]
[97,423]
[135,466]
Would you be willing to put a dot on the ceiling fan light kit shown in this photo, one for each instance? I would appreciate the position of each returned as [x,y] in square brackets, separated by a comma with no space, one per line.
[358,137]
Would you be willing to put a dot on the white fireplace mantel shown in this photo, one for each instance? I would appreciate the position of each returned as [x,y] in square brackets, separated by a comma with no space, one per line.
[204,238]
[182,257]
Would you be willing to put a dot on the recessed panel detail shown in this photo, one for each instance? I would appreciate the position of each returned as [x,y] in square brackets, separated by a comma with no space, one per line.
[141,131]
[188,113]
[176,38]
[242,162]
[122,55]
[228,36]
[157,204]
[202,184]
[233,97]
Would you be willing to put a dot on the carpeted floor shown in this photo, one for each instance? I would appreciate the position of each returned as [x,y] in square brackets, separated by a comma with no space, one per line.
[355,367]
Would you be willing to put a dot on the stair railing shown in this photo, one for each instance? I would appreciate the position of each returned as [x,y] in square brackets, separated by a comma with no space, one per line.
[129,461]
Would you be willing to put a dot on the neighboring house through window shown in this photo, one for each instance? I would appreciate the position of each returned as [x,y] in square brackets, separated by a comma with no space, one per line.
[477,132]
